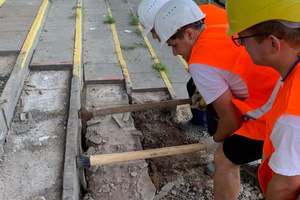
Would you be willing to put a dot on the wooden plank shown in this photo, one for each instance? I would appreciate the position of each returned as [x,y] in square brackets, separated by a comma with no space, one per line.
[141,107]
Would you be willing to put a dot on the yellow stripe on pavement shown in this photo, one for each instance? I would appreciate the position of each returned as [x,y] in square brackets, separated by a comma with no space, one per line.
[1,2]
[156,60]
[119,53]
[28,43]
[77,56]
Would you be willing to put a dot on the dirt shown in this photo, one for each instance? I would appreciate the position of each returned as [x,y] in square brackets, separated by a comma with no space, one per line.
[6,65]
[182,176]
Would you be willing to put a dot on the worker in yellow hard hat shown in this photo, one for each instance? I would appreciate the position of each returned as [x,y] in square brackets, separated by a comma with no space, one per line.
[270,32]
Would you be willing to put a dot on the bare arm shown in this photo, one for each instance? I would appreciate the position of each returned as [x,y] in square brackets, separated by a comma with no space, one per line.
[229,117]
[283,187]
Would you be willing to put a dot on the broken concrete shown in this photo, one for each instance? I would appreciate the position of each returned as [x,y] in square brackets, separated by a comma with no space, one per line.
[111,134]
[32,164]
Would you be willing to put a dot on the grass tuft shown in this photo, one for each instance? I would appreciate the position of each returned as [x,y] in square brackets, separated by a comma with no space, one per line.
[160,67]
[109,20]
[134,20]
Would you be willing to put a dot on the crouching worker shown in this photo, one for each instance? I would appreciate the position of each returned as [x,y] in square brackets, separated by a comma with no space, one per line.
[231,85]
[270,32]
[147,11]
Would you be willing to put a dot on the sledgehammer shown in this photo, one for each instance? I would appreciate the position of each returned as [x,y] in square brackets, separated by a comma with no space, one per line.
[86,115]
[104,159]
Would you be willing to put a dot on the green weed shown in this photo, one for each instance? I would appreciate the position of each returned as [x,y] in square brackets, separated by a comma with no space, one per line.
[109,20]
[134,20]
[160,67]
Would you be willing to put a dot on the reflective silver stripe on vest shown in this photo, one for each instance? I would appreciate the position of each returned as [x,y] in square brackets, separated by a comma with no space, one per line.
[257,113]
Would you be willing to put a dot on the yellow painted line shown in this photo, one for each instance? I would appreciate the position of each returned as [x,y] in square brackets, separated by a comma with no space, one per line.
[28,43]
[1,2]
[119,53]
[77,56]
[156,60]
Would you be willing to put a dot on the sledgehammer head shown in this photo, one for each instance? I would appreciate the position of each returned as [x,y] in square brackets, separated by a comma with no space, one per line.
[85,115]
[83,161]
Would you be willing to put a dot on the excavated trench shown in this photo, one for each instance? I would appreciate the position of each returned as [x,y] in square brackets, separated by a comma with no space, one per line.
[183,176]
[180,177]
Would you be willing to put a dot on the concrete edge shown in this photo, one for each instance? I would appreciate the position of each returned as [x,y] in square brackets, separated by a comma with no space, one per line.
[8,53]
[71,177]
[56,67]
[13,88]
[104,81]
[164,89]
[71,180]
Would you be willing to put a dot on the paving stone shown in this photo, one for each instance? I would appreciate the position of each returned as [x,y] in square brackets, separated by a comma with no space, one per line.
[100,60]
[103,73]
[56,43]
[16,18]
[139,62]
[147,82]
[104,95]
[180,90]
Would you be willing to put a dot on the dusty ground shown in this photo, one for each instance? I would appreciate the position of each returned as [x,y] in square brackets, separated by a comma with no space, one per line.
[32,163]
[6,64]
[183,176]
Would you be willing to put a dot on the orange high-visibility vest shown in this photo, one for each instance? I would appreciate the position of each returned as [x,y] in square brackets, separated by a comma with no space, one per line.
[286,102]
[214,48]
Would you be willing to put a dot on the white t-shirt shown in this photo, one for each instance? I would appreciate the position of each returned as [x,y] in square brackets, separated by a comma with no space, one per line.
[212,82]
[285,138]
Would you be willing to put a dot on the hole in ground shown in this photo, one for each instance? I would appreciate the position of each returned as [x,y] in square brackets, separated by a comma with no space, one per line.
[181,176]
[175,177]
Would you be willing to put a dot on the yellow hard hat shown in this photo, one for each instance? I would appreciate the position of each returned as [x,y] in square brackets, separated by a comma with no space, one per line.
[243,14]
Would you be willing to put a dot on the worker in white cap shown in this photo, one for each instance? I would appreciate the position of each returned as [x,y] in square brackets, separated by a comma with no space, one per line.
[229,82]
[147,11]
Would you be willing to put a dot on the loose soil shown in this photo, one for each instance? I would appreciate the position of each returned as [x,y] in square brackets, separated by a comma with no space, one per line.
[182,176]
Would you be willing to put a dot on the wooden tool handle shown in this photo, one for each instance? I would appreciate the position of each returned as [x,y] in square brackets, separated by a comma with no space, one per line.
[140,107]
[144,154]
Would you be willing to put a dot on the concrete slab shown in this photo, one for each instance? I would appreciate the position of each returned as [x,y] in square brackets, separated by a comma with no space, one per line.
[9,44]
[139,62]
[56,43]
[32,164]
[46,91]
[98,45]
[147,82]
[100,61]
[103,73]
[33,161]
[181,91]
[105,95]
[19,15]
